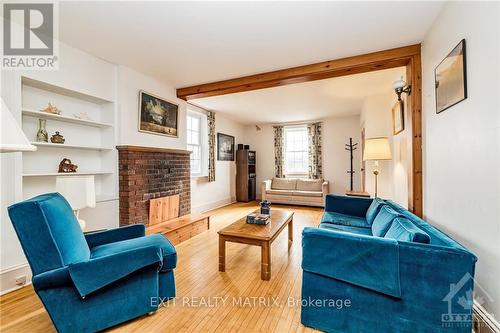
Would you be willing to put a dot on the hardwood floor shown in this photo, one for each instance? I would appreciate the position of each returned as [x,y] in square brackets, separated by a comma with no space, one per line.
[207,300]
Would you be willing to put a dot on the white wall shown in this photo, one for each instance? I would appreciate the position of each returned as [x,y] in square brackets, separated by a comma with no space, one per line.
[462,144]
[77,71]
[130,82]
[376,118]
[205,195]
[336,160]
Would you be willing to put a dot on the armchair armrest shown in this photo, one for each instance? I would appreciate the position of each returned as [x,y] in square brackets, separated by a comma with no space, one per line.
[94,274]
[115,235]
[343,204]
[58,277]
[365,261]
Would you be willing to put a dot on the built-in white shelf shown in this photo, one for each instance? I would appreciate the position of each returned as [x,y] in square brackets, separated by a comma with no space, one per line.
[46,115]
[64,145]
[89,142]
[68,174]
[105,197]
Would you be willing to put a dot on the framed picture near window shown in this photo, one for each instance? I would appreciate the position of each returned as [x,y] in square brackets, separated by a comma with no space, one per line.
[157,116]
[225,147]
[398,117]
[451,79]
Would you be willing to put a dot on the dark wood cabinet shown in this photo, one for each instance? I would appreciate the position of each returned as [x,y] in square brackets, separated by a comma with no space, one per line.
[245,175]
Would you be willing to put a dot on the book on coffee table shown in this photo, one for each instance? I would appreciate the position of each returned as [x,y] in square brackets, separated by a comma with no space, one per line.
[255,218]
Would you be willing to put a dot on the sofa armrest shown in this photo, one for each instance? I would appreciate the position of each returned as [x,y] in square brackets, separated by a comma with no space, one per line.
[265,186]
[361,260]
[325,187]
[115,235]
[96,273]
[343,204]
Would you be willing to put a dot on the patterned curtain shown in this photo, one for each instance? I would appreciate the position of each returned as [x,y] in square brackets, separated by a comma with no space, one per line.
[315,151]
[279,156]
[211,145]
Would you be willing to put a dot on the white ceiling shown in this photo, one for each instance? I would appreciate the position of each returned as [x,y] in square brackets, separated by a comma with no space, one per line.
[342,96]
[187,43]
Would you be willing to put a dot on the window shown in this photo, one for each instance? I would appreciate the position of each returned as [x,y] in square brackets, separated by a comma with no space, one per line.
[197,143]
[296,150]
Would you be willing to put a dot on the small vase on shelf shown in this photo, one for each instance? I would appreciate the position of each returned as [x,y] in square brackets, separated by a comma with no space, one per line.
[42,135]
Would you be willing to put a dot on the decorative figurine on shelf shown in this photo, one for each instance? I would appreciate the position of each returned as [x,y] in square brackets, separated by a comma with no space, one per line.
[265,207]
[57,138]
[351,147]
[42,135]
[67,166]
[51,109]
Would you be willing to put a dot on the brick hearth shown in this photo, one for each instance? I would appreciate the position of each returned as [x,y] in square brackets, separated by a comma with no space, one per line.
[147,173]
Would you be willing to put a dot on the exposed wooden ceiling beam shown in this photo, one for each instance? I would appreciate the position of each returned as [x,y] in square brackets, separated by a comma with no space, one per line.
[328,69]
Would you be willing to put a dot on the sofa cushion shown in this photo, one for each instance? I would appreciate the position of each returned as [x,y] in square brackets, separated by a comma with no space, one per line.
[310,185]
[284,184]
[345,228]
[308,193]
[167,249]
[347,220]
[373,210]
[383,220]
[280,192]
[404,230]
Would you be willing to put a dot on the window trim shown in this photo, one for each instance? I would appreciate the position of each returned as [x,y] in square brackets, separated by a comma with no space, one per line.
[294,174]
[203,139]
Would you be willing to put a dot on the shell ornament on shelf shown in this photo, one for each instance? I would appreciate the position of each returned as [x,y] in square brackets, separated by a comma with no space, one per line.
[51,109]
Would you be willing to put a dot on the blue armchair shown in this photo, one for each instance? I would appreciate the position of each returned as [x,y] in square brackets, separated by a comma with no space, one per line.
[91,282]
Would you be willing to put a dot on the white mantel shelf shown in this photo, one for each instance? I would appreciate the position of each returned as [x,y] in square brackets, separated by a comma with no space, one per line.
[64,145]
[67,174]
[46,115]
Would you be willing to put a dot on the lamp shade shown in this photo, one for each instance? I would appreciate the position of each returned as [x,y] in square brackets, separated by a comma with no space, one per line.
[78,190]
[12,138]
[399,83]
[377,149]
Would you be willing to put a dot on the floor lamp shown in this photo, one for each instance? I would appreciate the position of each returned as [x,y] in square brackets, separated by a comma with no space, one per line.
[377,149]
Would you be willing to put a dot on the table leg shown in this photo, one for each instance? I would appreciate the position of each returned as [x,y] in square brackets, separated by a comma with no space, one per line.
[265,267]
[290,232]
[222,254]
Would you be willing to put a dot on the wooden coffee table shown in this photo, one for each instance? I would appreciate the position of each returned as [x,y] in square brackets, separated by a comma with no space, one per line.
[259,235]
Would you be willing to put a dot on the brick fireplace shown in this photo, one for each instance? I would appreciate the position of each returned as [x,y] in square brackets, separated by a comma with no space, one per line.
[147,173]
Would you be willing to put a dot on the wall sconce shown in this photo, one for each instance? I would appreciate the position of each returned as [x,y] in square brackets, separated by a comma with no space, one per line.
[401,87]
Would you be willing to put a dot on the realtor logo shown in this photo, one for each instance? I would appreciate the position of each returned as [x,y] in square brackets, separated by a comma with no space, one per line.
[29,40]
[460,301]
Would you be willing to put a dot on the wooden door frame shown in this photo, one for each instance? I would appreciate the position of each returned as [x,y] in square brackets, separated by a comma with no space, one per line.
[407,56]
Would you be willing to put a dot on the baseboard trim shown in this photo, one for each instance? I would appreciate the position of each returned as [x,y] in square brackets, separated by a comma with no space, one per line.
[485,320]
[8,278]
[213,205]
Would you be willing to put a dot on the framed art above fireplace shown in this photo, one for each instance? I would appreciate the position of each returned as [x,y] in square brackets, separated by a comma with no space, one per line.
[158,116]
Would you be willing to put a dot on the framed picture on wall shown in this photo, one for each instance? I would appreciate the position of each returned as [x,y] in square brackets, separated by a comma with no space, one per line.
[451,79]
[225,147]
[398,117]
[158,116]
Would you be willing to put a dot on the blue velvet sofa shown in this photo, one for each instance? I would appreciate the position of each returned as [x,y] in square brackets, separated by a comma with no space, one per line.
[91,282]
[373,266]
